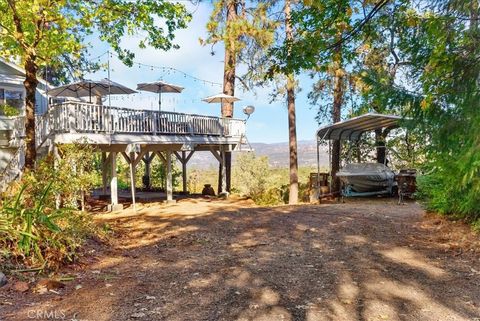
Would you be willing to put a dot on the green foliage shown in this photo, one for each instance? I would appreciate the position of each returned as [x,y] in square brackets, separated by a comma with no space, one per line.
[250,176]
[444,51]
[35,233]
[159,174]
[251,27]
[9,111]
[40,225]
[247,37]
[53,32]
[254,178]
[70,174]
[408,59]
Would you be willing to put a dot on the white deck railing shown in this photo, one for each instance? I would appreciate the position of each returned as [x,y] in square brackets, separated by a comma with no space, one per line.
[89,118]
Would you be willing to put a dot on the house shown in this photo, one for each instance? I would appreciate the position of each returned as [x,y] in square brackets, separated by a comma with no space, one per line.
[12,95]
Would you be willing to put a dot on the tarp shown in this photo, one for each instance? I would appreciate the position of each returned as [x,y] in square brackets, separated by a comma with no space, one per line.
[367,177]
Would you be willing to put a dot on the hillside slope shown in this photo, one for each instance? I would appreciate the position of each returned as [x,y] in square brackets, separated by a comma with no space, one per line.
[277,154]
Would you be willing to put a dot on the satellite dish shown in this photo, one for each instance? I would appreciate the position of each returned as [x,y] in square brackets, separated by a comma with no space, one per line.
[248,110]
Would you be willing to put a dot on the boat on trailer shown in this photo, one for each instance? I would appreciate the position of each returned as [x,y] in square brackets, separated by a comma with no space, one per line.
[367,179]
[358,179]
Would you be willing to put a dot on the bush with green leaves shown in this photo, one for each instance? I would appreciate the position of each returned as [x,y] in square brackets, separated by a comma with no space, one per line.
[34,233]
[444,51]
[9,111]
[40,224]
[251,178]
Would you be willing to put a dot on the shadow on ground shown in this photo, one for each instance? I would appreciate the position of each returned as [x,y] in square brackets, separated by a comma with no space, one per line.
[220,260]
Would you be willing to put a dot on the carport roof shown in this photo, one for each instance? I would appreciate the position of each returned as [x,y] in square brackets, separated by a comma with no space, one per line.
[353,128]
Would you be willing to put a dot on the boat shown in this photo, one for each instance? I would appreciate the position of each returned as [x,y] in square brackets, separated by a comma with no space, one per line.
[366,179]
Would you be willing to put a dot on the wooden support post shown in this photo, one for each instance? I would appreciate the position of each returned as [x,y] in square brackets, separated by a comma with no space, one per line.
[104,173]
[113,180]
[220,175]
[228,170]
[114,206]
[162,158]
[222,178]
[147,181]
[184,158]
[224,172]
[169,186]
[132,178]
[184,172]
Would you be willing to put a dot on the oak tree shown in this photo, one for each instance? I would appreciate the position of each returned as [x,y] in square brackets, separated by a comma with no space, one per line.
[43,32]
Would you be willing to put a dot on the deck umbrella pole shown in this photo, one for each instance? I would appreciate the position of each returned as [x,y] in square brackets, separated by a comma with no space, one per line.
[90,93]
[159,100]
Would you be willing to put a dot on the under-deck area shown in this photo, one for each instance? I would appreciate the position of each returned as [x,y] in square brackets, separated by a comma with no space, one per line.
[140,136]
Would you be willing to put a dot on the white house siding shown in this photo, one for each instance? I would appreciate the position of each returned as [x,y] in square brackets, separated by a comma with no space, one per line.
[11,80]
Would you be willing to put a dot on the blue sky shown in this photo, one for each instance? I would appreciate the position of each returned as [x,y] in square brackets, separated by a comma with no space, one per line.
[269,122]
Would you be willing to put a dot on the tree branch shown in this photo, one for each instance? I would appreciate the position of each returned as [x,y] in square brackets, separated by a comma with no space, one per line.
[19,35]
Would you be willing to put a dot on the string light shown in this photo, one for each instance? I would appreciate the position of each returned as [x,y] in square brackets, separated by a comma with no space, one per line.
[164,69]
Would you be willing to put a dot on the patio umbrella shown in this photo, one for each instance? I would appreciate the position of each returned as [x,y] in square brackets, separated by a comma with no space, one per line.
[87,88]
[159,87]
[221,98]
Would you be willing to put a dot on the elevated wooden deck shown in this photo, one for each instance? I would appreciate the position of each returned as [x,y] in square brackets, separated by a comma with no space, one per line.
[105,125]
[137,135]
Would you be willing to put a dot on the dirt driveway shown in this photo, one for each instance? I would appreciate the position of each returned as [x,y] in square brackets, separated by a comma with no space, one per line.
[228,260]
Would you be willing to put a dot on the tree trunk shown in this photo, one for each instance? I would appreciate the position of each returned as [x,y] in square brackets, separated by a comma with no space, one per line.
[228,89]
[292,126]
[292,141]
[380,143]
[230,60]
[336,116]
[30,84]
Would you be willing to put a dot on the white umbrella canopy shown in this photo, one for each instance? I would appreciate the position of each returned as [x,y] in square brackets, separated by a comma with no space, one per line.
[221,98]
[159,87]
[87,88]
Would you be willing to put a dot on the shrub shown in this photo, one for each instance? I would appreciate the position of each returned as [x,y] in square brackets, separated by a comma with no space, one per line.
[34,233]
[272,196]
[40,225]
[9,111]
[251,179]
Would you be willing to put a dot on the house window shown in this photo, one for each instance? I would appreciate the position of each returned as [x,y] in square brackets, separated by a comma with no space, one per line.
[11,98]
[14,98]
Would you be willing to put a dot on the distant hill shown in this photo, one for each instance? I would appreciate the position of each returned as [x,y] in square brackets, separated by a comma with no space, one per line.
[277,154]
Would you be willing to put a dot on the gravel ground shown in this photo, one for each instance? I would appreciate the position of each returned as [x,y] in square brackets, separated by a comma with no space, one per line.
[229,260]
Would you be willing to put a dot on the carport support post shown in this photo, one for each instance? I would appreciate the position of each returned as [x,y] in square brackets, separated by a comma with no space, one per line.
[169,177]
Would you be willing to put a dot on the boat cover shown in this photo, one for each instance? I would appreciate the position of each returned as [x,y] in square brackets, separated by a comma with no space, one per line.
[367,177]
